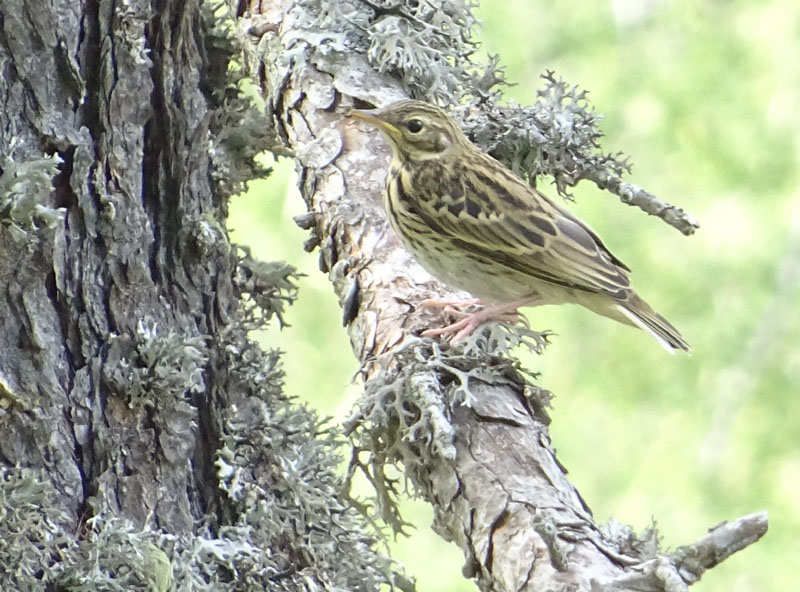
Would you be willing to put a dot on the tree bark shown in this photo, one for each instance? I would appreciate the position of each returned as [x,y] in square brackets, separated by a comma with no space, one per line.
[467,426]
[146,442]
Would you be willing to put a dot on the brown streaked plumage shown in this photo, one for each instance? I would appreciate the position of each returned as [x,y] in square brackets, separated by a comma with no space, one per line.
[478,227]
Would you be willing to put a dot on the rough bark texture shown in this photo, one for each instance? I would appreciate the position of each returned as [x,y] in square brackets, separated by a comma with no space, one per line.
[470,431]
[145,440]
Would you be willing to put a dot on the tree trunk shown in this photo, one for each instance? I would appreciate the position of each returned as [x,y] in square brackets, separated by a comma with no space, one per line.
[467,426]
[146,441]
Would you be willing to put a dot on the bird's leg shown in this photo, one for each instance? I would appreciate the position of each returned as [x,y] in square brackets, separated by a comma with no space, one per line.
[506,313]
[454,308]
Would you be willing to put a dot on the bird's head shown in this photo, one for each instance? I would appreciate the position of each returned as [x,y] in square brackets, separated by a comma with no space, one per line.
[417,131]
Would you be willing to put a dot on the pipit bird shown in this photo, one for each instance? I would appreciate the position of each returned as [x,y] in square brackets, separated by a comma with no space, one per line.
[478,227]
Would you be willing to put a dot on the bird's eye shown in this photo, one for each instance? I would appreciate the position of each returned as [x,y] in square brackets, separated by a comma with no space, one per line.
[414,126]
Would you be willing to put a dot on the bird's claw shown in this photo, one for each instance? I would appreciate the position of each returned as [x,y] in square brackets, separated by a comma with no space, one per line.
[470,321]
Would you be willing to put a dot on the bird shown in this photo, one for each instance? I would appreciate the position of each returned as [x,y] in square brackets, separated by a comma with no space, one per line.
[478,227]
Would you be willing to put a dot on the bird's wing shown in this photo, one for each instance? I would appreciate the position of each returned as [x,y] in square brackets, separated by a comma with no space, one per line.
[523,230]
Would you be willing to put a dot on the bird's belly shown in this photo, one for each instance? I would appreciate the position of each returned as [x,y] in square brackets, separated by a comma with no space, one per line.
[488,280]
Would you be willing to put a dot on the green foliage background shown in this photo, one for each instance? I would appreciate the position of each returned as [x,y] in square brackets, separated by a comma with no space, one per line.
[705,97]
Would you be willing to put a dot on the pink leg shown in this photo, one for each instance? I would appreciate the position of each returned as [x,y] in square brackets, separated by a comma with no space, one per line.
[471,321]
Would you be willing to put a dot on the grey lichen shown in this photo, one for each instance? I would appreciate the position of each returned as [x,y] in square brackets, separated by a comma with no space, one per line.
[32,527]
[39,550]
[558,135]
[266,287]
[280,523]
[278,469]
[408,421]
[154,367]
[238,134]
[115,555]
[429,47]
[643,546]
[239,127]
[25,196]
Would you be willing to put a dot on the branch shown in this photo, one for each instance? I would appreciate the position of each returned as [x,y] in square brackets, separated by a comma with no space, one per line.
[559,136]
[467,425]
[687,564]
[634,195]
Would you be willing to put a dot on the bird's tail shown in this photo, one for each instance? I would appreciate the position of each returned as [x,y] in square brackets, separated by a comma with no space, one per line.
[640,314]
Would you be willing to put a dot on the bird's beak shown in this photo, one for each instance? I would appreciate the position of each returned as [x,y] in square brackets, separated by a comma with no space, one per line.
[373,118]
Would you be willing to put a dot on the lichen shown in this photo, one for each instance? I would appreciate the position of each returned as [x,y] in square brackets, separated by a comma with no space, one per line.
[281,523]
[623,538]
[115,555]
[279,469]
[407,421]
[266,287]
[430,47]
[32,528]
[25,196]
[155,368]
[558,135]
[239,128]
[39,549]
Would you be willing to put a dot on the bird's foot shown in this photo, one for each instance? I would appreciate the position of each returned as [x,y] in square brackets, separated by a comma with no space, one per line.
[469,321]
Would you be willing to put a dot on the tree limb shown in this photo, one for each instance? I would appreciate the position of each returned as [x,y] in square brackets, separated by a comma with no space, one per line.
[469,429]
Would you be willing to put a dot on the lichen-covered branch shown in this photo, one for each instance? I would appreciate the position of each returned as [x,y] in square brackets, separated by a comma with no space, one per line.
[686,565]
[427,48]
[559,136]
[466,424]
[146,441]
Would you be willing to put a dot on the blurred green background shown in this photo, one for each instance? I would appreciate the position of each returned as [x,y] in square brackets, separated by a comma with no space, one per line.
[705,97]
